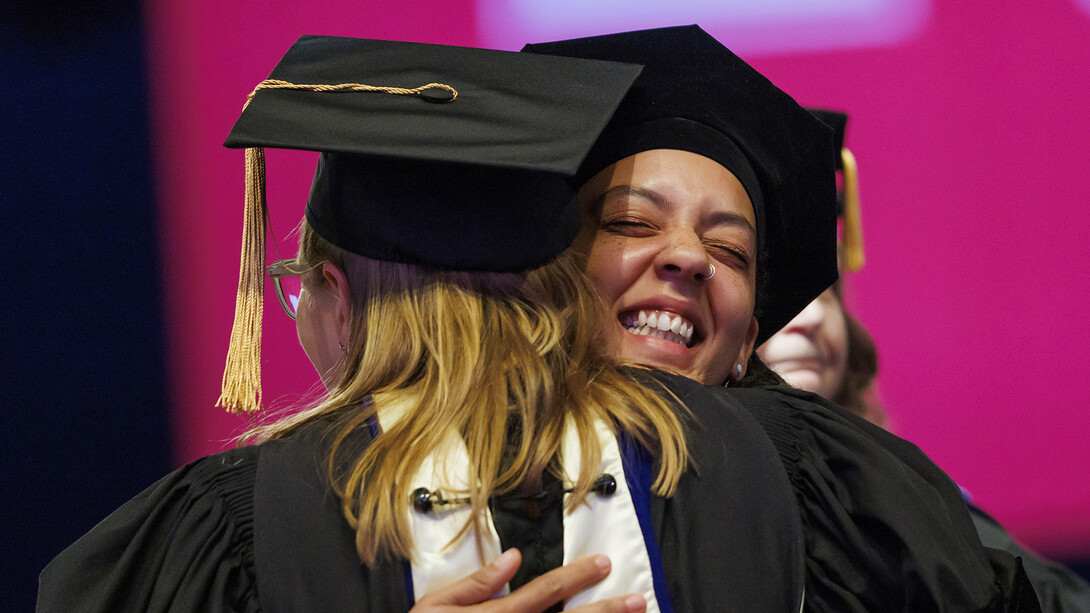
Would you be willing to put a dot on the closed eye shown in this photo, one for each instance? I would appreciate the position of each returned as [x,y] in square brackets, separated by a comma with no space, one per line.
[729,254]
[628,226]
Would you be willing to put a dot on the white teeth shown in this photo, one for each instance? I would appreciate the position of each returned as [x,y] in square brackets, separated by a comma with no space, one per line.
[664,322]
[662,325]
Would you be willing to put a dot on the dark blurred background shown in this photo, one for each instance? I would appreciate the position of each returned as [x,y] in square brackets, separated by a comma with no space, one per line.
[85,413]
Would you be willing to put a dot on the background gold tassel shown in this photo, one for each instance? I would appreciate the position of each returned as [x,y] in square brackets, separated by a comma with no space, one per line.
[853,224]
[241,390]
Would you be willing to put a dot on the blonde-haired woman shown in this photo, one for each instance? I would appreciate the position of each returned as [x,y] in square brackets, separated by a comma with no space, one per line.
[470,409]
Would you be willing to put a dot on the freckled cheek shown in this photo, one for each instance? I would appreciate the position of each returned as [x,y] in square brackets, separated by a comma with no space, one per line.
[735,298]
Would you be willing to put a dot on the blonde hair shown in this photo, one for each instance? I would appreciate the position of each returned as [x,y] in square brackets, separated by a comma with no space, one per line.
[481,354]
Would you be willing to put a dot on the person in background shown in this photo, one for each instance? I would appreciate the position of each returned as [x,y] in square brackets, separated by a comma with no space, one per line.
[827,351]
[469,408]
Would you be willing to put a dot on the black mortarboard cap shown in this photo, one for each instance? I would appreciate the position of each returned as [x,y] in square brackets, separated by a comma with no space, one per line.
[848,200]
[695,95]
[446,157]
[479,182]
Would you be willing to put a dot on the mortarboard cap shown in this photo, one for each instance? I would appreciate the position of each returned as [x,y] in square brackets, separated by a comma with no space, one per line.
[848,201]
[695,95]
[468,171]
[446,157]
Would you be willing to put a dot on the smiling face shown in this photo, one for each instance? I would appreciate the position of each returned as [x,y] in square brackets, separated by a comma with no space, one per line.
[654,224]
[811,352]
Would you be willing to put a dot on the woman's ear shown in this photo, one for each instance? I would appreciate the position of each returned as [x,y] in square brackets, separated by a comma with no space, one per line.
[747,348]
[337,282]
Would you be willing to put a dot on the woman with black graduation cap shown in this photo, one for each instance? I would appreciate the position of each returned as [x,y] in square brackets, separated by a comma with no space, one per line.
[709,222]
[469,409]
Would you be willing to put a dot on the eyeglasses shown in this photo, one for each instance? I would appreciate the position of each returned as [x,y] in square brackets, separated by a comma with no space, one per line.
[285,275]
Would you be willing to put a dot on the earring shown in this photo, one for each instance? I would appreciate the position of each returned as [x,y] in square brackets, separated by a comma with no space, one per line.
[738,369]
[340,345]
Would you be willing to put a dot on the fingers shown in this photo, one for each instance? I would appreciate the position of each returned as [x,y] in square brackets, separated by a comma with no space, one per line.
[553,587]
[632,603]
[478,587]
[558,585]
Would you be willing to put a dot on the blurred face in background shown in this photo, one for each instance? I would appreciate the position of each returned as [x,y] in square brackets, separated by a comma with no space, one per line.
[811,351]
[655,224]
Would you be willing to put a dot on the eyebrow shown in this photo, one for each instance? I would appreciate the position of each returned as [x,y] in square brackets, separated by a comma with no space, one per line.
[719,218]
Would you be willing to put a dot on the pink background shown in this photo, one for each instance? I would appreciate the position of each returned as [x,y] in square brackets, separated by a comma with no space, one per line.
[969,122]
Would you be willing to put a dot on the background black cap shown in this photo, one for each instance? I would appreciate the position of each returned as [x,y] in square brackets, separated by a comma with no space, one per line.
[851,239]
[838,122]
[695,95]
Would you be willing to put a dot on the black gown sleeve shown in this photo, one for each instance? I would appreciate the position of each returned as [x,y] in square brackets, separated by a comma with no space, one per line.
[181,545]
[1059,589]
[886,529]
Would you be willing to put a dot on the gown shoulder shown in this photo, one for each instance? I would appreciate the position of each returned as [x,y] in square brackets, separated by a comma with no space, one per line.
[183,544]
[886,528]
[251,529]
[734,516]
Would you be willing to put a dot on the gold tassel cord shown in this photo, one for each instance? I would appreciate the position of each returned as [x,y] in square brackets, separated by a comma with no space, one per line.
[853,223]
[354,87]
[241,389]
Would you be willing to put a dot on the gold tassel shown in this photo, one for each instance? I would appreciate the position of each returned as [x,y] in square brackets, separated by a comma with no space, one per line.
[853,224]
[241,390]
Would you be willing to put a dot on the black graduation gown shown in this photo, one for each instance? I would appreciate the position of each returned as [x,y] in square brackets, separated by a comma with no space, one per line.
[886,529]
[257,529]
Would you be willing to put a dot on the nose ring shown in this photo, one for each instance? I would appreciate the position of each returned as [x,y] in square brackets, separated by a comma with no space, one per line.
[710,274]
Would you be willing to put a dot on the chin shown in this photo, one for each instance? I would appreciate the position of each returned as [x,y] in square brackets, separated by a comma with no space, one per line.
[803,379]
[670,356]
[649,348]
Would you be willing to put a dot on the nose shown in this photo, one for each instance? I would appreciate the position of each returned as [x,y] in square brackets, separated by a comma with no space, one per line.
[684,258]
[809,319]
